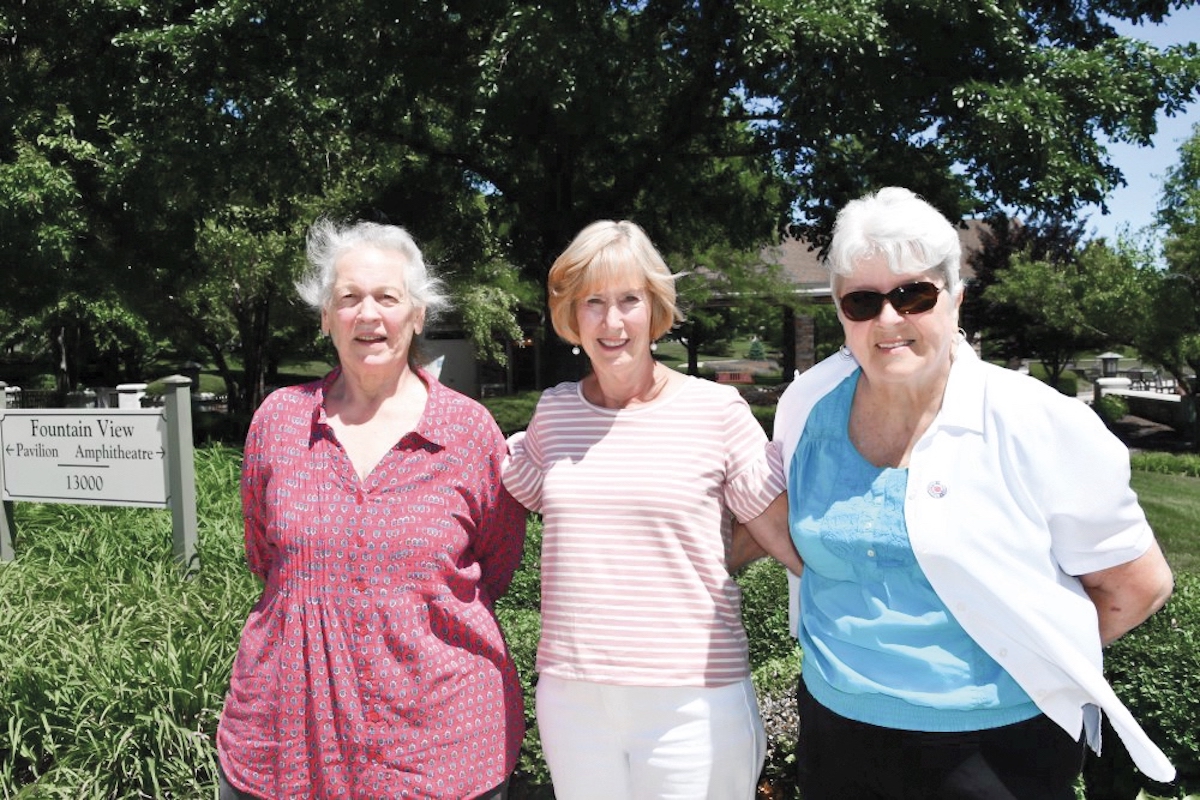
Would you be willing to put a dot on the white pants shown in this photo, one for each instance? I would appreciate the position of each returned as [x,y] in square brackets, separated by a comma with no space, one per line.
[606,742]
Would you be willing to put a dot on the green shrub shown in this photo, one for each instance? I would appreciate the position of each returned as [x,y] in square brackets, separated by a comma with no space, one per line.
[775,685]
[1155,670]
[772,378]
[1068,382]
[519,613]
[1167,463]
[766,418]
[115,666]
[765,612]
[1111,408]
[775,667]
[209,383]
[522,629]
[512,412]
[220,428]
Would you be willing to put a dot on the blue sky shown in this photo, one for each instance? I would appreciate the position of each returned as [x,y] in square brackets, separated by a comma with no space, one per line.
[1133,205]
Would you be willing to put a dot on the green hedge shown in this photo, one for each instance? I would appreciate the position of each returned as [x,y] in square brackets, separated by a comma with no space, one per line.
[115,667]
[512,412]
[1068,382]
[1111,408]
[1155,670]
[1167,463]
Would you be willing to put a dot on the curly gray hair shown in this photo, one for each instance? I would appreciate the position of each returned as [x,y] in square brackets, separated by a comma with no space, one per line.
[329,240]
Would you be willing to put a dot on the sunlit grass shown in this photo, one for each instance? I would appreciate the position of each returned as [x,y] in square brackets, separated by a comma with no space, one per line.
[1172,504]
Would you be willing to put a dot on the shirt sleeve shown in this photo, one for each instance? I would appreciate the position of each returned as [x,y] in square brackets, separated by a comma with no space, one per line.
[524,467]
[1093,514]
[750,482]
[255,474]
[500,537]
[775,461]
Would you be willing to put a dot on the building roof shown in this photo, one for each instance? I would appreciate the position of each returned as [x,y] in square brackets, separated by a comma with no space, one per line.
[802,264]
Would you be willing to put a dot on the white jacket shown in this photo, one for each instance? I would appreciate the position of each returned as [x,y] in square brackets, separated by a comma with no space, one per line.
[1014,491]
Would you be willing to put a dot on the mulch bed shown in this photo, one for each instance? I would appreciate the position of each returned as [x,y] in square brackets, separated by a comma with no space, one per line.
[1142,434]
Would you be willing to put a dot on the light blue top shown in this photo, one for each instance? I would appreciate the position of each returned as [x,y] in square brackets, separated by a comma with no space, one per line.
[879,645]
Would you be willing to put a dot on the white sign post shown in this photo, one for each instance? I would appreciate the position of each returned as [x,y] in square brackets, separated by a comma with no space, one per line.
[116,457]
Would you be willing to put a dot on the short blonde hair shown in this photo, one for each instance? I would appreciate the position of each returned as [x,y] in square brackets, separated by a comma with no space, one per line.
[599,255]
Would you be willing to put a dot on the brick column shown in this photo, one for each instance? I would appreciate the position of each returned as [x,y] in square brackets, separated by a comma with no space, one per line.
[804,336]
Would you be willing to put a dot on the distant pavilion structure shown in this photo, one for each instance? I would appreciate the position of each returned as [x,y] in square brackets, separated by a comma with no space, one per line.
[804,271]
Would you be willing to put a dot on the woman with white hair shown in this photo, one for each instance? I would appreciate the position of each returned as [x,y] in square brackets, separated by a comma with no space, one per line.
[373,665]
[969,538]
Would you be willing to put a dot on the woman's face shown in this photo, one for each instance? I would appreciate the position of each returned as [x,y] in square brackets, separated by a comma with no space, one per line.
[614,324]
[894,347]
[370,316]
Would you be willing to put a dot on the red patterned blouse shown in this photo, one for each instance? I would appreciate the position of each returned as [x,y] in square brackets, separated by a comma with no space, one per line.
[372,666]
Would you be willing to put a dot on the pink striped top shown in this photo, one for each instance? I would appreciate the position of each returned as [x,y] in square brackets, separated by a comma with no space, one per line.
[636,506]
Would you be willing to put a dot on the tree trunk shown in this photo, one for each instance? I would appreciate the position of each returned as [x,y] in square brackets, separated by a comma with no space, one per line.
[255,330]
[1193,417]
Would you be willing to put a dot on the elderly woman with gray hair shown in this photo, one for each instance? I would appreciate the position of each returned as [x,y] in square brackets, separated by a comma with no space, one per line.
[969,537]
[372,666]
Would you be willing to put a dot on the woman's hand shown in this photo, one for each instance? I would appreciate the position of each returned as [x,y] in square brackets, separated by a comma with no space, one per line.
[1127,594]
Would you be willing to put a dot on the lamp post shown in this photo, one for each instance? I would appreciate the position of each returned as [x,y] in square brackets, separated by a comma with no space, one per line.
[1109,362]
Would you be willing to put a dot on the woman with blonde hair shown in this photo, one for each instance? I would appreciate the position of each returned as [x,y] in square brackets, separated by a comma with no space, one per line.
[638,472]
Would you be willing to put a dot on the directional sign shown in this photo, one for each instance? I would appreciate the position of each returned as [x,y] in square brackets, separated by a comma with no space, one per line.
[98,457]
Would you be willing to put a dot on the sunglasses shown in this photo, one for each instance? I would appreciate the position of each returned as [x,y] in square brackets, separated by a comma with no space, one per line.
[911,298]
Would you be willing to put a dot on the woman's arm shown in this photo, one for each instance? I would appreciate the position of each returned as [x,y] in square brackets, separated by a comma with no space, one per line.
[499,538]
[1127,594]
[260,554]
[766,534]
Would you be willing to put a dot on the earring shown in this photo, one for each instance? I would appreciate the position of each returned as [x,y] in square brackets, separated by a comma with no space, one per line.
[653,346]
[845,351]
[575,350]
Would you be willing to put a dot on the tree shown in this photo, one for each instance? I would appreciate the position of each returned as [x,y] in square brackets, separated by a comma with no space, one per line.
[1012,327]
[710,123]
[1071,303]
[657,110]
[64,307]
[1171,334]
[719,280]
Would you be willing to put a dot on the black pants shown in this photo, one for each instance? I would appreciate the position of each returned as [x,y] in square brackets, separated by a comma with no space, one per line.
[841,759]
[227,792]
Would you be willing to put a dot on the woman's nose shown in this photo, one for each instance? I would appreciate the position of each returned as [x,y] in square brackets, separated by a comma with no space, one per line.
[368,309]
[888,314]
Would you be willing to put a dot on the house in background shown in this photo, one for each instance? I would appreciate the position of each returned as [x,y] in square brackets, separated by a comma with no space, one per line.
[803,269]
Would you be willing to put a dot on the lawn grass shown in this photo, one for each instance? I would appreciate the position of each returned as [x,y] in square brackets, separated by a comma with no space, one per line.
[1172,504]
[672,352]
